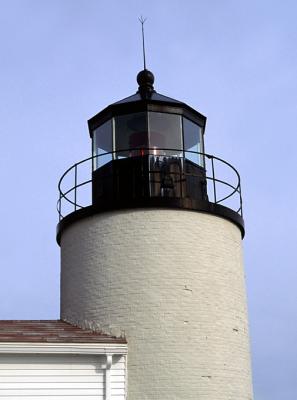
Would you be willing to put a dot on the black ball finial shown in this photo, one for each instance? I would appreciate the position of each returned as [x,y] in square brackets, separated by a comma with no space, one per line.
[145,77]
[145,80]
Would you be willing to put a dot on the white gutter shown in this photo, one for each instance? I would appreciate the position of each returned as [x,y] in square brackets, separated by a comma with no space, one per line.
[62,348]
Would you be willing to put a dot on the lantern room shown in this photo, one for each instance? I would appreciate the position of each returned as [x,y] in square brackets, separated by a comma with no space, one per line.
[142,132]
[147,120]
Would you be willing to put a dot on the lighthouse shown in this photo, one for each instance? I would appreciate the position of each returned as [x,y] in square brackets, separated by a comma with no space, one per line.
[150,230]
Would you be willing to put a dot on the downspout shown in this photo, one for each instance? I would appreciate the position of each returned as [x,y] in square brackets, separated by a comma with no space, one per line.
[107,377]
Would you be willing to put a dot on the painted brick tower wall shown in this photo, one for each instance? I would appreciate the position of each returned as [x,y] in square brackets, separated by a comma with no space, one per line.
[172,283]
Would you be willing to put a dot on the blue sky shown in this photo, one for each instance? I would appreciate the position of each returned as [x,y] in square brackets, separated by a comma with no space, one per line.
[234,61]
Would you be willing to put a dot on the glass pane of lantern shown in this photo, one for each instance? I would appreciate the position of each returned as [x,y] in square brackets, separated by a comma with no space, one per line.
[102,144]
[165,141]
[165,133]
[193,141]
[131,134]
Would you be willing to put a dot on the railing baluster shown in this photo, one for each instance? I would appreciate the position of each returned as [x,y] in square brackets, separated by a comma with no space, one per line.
[75,186]
[240,197]
[60,206]
[213,181]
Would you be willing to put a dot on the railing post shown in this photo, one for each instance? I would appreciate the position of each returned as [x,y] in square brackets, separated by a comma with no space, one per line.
[213,181]
[75,185]
[60,206]
[240,197]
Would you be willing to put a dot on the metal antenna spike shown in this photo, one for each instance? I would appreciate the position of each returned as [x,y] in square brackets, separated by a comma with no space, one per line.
[142,21]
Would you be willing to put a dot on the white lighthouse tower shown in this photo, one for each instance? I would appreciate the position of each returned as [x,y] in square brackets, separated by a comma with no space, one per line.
[156,256]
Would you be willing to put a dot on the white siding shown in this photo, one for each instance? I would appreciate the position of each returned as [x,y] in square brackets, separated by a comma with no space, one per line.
[48,377]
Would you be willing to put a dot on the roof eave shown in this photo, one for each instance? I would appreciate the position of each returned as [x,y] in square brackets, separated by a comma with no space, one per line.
[62,348]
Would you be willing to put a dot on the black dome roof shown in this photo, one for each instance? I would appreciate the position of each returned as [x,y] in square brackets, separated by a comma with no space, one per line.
[145,99]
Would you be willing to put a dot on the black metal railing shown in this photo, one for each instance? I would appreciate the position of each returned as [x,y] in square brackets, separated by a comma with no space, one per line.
[223,180]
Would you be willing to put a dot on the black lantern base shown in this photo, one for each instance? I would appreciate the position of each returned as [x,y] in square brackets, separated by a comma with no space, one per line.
[148,177]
